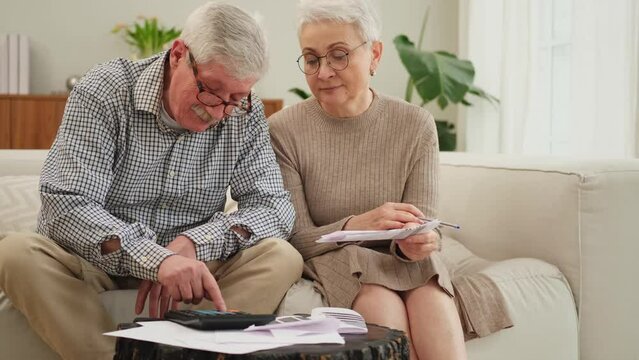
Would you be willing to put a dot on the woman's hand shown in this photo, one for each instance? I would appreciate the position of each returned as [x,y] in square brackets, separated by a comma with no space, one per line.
[419,246]
[385,217]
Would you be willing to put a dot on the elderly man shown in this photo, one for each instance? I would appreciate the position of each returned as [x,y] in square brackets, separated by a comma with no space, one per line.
[134,187]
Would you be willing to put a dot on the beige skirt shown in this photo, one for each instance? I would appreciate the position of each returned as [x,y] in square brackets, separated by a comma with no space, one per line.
[338,276]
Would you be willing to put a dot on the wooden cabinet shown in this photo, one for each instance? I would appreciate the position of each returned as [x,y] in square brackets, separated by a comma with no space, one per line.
[29,122]
[272,106]
[32,121]
[5,124]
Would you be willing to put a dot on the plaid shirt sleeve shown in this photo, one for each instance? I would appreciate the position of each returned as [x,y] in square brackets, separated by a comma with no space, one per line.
[75,181]
[264,206]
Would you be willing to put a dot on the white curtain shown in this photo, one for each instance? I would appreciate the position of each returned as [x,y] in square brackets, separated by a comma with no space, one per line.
[594,76]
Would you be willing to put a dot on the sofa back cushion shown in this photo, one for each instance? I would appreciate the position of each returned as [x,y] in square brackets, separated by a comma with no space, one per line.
[577,214]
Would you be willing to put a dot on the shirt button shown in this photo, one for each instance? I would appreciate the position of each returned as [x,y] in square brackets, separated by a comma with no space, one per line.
[180,138]
[144,259]
[171,173]
[164,206]
[208,237]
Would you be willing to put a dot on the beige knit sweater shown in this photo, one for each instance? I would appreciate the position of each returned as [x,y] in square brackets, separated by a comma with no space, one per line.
[336,168]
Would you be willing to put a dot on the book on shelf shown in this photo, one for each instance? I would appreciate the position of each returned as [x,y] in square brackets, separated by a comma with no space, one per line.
[24,60]
[15,64]
[4,63]
[13,45]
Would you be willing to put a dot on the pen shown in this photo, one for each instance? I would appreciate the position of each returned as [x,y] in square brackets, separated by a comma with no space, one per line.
[454,226]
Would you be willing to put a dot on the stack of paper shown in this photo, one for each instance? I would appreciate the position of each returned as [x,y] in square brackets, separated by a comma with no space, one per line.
[322,320]
[350,321]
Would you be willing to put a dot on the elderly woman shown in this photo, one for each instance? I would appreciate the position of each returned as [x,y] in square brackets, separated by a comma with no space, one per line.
[354,159]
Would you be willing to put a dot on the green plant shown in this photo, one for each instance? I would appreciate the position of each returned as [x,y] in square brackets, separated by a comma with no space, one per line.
[440,76]
[299,92]
[146,35]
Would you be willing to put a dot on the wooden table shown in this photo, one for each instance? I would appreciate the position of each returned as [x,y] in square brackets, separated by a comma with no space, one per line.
[379,343]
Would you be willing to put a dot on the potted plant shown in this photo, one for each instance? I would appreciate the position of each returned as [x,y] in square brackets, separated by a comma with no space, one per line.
[438,76]
[146,36]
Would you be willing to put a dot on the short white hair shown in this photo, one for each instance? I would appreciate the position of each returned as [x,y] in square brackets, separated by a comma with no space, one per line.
[361,13]
[227,35]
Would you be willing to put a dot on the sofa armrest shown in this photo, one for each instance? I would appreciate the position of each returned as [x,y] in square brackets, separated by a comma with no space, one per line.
[575,214]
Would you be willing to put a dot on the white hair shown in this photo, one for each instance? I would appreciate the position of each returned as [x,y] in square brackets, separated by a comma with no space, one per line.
[361,13]
[229,36]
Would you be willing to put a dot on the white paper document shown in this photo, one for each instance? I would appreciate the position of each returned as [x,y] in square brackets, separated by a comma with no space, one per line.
[369,235]
[226,341]
[299,324]
[350,321]
[322,320]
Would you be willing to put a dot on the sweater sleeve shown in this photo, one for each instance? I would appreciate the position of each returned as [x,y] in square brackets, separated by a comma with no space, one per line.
[422,185]
[305,231]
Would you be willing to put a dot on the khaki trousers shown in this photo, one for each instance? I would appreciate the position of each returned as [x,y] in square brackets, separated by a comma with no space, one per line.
[58,291]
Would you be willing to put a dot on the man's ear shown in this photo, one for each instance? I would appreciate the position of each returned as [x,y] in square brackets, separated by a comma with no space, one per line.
[179,52]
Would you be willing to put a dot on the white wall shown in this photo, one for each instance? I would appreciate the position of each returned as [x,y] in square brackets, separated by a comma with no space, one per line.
[69,36]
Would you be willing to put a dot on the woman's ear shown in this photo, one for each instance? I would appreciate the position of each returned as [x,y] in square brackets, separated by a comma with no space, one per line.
[376,50]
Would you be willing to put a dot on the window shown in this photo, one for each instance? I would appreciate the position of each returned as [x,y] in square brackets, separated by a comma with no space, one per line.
[554,76]
[565,73]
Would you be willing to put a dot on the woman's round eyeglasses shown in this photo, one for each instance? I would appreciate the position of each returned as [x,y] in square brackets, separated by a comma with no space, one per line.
[337,59]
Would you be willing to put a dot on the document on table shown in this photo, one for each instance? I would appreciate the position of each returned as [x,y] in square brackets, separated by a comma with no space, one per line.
[230,341]
[369,235]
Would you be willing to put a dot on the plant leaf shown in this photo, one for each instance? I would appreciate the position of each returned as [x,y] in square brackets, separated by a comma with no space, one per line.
[147,35]
[299,92]
[436,75]
[442,102]
[483,94]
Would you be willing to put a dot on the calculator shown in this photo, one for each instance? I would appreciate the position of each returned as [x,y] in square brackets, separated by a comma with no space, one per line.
[217,320]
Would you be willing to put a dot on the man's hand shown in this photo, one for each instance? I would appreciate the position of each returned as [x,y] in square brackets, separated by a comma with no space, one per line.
[385,217]
[181,278]
[419,246]
[158,295]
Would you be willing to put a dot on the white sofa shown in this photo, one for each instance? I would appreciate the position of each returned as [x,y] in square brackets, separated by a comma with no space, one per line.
[524,214]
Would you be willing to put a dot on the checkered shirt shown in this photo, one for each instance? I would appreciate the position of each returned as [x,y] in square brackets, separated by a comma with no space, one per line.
[116,170]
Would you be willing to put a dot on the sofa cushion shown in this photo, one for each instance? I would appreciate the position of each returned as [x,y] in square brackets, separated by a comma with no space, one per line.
[19,203]
[301,298]
[536,293]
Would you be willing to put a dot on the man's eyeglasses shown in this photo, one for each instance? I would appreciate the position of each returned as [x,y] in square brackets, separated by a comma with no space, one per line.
[207,98]
[337,59]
